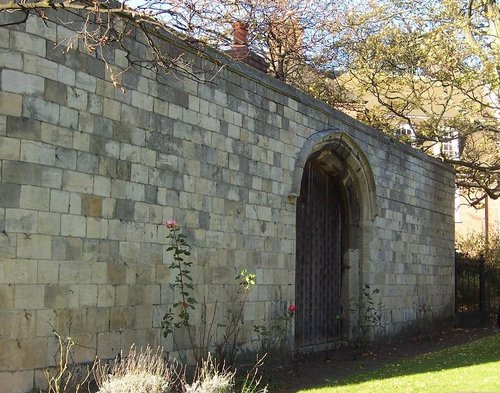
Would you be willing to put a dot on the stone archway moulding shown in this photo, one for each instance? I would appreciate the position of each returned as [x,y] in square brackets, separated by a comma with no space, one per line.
[357,164]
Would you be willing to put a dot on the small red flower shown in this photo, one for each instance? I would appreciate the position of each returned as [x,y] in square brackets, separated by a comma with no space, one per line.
[292,309]
[171,224]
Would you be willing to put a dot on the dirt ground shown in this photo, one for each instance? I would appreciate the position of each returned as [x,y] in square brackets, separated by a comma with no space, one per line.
[336,364]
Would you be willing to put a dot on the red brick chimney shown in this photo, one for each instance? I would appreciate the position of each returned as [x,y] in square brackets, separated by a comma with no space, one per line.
[240,33]
[240,50]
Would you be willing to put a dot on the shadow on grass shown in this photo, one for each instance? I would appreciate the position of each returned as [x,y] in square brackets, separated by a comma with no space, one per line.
[479,351]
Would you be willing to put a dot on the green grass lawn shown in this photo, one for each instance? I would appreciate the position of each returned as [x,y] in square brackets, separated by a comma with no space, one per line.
[472,367]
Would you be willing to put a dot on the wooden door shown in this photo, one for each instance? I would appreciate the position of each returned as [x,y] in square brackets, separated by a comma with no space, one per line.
[319,252]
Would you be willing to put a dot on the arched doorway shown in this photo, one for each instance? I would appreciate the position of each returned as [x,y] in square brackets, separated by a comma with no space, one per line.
[335,202]
[319,257]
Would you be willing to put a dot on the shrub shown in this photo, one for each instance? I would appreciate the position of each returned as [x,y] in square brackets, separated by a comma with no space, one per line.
[211,378]
[144,371]
[474,244]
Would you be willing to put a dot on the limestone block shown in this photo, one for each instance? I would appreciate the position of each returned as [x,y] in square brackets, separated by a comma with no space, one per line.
[103,126]
[8,245]
[11,104]
[205,186]
[86,124]
[71,321]
[74,273]
[81,141]
[39,66]
[174,111]
[51,177]
[78,182]
[102,187]
[134,191]
[88,163]
[122,318]
[124,209]
[18,271]
[6,294]
[45,322]
[95,104]
[99,272]
[49,223]
[59,201]
[75,203]
[160,107]
[117,229]
[155,213]
[84,350]
[145,274]
[20,82]
[39,109]
[9,59]
[42,28]
[30,297]
[98,319]
[85,81]
[77,98]
[3,125]
[36,198]
[97,228]
[5,35]
[106,295]
[151,294]
[66,75]
[9,195]
[48,272]
[17,324]
[143,317]
[88,295]
[9,148]
[112,109]
[16,381]
[68,118]
[141,212]
[129,115]
[139,173]
[34,246]
[130,153]
[91,206]
[142,101]
[36,152]
[130,252]
[61,297]
[28,43]
[58,136]
[108,208]
[72,225]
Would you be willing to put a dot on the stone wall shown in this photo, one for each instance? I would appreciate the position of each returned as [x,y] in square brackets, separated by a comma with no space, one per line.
[89,174]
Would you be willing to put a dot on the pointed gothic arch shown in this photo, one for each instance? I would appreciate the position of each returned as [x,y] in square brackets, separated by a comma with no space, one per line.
[336,202]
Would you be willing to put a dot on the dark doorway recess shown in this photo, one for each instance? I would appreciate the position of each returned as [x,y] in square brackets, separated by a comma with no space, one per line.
[319,257]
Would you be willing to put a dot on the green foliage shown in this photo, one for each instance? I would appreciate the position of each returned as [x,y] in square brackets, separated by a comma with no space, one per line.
[179,315]
[246,279]
[474,244]
[277,337]
[368,314]
[431,65]
[226,349]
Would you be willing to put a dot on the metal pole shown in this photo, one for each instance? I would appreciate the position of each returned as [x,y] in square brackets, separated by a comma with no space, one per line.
[482,286]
